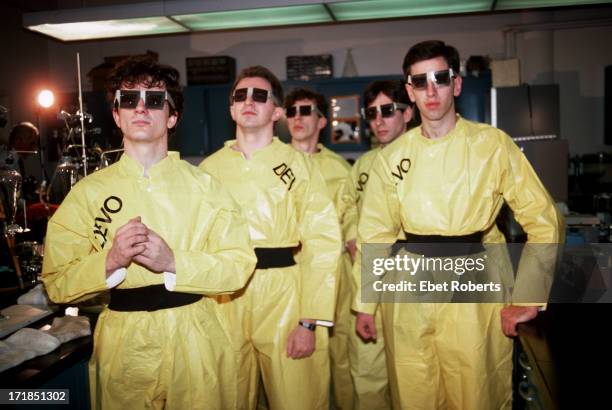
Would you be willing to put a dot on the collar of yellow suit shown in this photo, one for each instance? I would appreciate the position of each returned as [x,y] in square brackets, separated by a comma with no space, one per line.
[457,130]
[265,153]
[133,167]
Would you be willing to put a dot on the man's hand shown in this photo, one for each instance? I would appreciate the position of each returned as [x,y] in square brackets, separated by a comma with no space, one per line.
[351,247]
[128,242]
[300,343]
[513,315]
[366,326]
[157,255]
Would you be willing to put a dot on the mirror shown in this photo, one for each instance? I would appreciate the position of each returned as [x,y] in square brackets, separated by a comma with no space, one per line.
[345,119]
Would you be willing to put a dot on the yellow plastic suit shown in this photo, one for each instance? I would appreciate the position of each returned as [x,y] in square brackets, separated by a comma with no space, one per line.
[176,358]
[367,359]
[335,170]
[450,355]
[284,200]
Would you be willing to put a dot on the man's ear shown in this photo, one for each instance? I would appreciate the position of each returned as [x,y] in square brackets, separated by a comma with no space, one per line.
[116,118]
[410,92]
[457,83]
[232,112]
[172,120]
[277,114]
[407,114]
[322,123]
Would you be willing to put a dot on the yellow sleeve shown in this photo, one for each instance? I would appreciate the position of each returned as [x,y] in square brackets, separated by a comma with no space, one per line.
[345,223]
[320,248]
[74,266]
[350,214]
[535,211]
[225,262]
[379,222]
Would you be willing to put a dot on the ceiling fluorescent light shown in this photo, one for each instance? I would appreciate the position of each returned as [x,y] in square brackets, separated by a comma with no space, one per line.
[380,9]
[177,16]
[264,17]
[164,17]
[527,4]
[89,30]
[89,23]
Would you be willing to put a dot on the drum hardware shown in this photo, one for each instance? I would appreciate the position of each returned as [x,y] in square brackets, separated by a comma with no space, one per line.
[81,114]
[30,256]
[77,161]
[104,160]
[10,186]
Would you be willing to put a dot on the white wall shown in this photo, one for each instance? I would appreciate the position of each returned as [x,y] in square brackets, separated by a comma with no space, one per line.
[573,58]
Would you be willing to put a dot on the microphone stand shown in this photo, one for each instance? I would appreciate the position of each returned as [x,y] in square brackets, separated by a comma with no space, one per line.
[82,117]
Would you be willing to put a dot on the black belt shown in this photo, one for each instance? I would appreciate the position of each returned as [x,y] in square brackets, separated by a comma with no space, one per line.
[441,245]
[274,257]
[149,298]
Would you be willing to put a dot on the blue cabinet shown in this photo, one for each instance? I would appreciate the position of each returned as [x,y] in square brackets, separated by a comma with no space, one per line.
[206,122]
[474,102]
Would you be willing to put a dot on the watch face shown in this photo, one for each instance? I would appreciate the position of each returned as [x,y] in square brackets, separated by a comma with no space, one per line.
[309,326]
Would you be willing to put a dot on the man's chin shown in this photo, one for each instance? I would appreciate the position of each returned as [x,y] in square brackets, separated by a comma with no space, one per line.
[385,139]
[299,136]
[140,137]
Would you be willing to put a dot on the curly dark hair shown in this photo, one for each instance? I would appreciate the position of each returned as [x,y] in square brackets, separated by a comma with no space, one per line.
[426,50]
[307,94]
[261,72]
[145,70]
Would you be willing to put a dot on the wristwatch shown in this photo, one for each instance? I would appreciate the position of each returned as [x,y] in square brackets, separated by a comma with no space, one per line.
[309,326]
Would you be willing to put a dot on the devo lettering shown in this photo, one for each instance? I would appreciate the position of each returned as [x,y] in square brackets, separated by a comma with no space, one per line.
[362,181]
[285,174]
[111,205]
[402,168]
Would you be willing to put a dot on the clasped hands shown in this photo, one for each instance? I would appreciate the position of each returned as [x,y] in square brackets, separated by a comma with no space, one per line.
[135,242]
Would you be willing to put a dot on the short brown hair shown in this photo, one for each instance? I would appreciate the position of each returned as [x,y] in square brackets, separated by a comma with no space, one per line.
[261,72]
[307,94]
[426,50]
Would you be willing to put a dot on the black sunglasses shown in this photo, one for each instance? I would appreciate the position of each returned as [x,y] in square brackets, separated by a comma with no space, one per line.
[304,110]
[257,94]
[385,110]
[153,99]
[439,78]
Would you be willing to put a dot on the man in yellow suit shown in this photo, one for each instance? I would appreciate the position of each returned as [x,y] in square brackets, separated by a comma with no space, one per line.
[389,112]
[278,318]
[449,178]
[160,234]
[306,116]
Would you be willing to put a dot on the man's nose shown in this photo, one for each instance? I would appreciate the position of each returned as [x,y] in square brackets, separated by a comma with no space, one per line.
[431,88]
[140,107]
[379,118]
